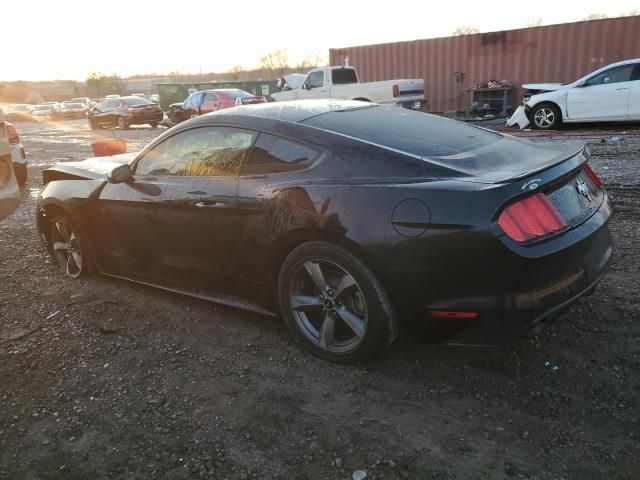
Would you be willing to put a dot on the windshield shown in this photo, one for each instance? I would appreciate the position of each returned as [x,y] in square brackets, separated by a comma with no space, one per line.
[44,107]
[233,94]
[135,101]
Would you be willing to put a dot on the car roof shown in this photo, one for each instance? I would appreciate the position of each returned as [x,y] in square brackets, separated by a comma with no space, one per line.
[294,111]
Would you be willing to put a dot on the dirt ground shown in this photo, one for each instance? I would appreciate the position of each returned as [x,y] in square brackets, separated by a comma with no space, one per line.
[100,378]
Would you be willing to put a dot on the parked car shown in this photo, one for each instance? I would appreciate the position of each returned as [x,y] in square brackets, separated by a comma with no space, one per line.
[9,190]
[70,111]
[18,112]
[86,101]
[344,217]
[611,93]
[124,111]
[207,101]
[343,83]
[18,155]
[44,110]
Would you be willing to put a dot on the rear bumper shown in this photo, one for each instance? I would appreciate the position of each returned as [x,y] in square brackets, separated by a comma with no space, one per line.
[511,293]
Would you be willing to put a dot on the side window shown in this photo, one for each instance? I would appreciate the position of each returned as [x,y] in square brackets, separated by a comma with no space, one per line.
[199,152]
[316,79]
[273,154]
[614,75]
[210,97]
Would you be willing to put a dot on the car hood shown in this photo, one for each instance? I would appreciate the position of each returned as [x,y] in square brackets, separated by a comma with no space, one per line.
[95,168]
[547,87]
[295,80]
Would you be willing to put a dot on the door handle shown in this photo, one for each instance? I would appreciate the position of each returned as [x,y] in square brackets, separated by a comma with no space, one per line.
[212,204]
[623,88]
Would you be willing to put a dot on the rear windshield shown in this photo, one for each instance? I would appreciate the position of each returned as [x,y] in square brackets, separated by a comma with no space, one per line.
[342,76]
[406,130]
[483,154]
[233,94]
[133,101]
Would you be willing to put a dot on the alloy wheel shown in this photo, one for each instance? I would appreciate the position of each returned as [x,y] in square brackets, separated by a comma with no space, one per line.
[121,123]
[328,306]
[544,117]
[66,249]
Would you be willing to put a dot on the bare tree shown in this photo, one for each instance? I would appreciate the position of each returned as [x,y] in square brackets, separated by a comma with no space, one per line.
[534,22]
[237,71]
[313,60]
[465,30]
[277,61]
[596,16]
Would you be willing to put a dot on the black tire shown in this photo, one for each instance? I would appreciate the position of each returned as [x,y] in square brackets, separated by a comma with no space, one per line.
[153,124]
[362,303]
[21,173]
[546,116]
[121,123]
[74,259]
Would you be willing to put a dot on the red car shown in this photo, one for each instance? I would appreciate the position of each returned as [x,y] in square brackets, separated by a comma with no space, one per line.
[206,101]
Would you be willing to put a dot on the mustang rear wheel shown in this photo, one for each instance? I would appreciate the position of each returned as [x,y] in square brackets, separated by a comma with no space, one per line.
[333,303]
[69,249]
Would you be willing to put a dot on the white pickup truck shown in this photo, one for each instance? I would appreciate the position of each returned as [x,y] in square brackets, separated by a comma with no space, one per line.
[342,83]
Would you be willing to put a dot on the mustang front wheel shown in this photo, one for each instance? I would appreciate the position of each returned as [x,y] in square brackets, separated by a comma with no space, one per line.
[333,303]
[68,248]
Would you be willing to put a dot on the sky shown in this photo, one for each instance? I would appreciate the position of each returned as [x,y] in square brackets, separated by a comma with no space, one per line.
[69,39]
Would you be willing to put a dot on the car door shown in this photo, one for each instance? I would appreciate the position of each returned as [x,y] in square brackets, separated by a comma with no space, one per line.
[605,96]
[634,95]
[314,86]
[267,179]
[106,114]
[98,115]
[174,224]
[210,103]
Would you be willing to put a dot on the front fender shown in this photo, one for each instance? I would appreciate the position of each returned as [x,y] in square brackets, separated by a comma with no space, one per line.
[558,98]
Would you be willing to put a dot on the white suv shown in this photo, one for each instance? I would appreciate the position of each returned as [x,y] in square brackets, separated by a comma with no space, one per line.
[18,155]
[9,190]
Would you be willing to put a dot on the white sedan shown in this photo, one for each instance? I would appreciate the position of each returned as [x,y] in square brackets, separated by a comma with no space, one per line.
[611,93]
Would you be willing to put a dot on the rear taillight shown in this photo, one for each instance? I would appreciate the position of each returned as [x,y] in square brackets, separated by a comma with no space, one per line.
[12,133]
[592,175]
[530,218]
[396,91]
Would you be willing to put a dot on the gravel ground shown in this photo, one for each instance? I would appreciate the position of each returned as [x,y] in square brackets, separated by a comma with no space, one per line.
[101,378]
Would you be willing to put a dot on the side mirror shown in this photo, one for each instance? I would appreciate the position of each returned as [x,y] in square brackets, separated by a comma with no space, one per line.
[120,174]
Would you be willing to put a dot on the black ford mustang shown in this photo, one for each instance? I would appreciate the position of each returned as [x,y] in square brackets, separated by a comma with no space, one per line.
[346,218]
